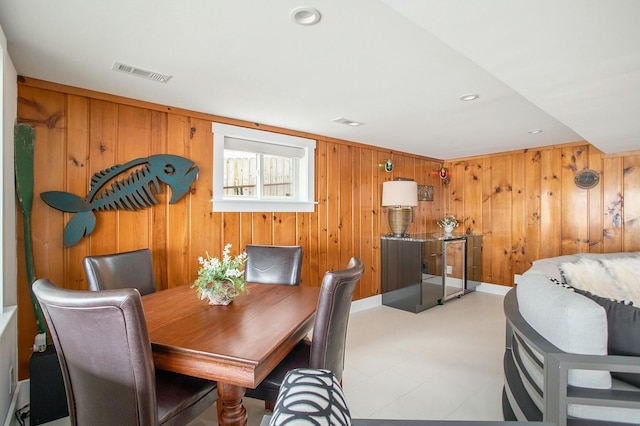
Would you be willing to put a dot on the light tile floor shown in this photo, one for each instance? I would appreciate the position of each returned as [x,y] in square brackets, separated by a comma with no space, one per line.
[442,364]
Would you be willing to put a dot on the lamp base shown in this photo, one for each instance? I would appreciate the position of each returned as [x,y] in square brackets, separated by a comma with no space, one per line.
[399,220]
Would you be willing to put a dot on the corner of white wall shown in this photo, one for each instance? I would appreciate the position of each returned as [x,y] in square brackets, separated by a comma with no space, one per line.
[8,256]
[8,115]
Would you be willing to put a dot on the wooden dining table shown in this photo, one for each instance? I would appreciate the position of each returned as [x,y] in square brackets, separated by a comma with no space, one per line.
[236,345]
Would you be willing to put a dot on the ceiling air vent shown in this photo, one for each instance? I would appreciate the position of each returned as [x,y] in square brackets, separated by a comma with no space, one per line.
[346,121]
[149,75]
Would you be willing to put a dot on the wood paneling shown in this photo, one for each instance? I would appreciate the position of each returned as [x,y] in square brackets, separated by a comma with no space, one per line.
[79,133]
[631,212]
[530,207]
[524,203]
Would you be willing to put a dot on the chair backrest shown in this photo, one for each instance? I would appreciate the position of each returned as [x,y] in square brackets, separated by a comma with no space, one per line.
[131,269]
[332,317]
[273,264]
[104,351]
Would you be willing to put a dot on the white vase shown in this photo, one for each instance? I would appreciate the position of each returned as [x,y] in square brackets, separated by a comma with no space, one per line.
[448,229]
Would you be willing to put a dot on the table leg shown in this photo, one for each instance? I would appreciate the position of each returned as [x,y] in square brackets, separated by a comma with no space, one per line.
[232,411]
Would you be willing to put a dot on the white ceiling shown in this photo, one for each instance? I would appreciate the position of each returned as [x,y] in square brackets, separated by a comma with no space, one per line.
[569,67]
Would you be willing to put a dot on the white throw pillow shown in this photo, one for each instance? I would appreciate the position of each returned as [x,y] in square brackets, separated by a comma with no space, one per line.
[591,275]
[626,275]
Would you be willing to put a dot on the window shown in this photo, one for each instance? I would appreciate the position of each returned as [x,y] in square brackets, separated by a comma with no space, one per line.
[254,170]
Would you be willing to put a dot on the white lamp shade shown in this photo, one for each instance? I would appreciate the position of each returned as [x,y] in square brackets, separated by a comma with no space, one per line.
[396,193]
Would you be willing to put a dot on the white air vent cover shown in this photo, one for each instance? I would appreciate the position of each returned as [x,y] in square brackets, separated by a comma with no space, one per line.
[346,121]
[149,75]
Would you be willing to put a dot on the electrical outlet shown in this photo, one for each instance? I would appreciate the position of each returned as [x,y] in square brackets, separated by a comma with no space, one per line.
[12,380]
[449,269]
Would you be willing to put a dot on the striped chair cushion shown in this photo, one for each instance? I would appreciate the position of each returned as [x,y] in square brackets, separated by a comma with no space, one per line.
[310,396]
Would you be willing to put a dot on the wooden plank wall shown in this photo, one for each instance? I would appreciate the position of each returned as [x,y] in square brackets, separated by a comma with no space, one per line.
[528,207]
[525,203]
[79,133]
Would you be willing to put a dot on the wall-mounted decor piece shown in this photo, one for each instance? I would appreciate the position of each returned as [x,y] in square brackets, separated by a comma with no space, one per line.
[24,137]
[387,165]
[587,179]
[133,193]
[444,175]
[425,193]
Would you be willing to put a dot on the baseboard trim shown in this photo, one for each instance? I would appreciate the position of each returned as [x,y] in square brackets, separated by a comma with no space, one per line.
[366,303]
[20,398]
[374,301]
[493,288]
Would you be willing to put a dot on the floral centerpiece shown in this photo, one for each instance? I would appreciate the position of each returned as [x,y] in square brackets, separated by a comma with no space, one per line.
[221,281]
[448,223]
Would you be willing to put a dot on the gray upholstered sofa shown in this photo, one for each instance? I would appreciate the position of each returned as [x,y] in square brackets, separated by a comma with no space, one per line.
[559,364]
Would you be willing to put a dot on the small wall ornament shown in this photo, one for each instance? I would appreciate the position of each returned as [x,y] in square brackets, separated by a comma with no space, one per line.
[587,179]
[387,165]
[133,193]
[443,172]
[425,193]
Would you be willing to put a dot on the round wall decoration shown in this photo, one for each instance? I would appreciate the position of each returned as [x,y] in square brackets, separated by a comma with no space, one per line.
[587,179]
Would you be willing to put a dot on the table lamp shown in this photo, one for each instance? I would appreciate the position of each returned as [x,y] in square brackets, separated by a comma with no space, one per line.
[400,196]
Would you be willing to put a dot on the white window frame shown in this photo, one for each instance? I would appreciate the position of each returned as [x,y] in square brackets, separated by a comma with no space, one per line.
[304,186]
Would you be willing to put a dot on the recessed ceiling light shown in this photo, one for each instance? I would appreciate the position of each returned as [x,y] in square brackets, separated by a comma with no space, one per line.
[536,131]
[346,121]
[305,15]
[469,97]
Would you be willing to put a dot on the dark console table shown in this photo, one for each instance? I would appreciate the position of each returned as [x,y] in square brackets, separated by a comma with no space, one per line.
[424,270]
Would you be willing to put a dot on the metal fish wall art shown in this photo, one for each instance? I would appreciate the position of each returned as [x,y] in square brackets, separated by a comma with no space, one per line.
[133,193]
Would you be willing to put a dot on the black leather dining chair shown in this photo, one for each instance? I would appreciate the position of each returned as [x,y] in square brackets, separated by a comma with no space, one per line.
[105,355]
[273,264]
[131,269]
[326,349]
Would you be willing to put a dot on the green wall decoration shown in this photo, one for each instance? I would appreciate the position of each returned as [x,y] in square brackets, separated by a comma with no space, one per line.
[24,137]
[133,193]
